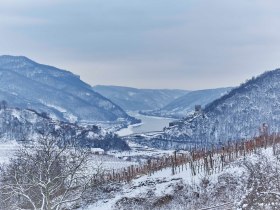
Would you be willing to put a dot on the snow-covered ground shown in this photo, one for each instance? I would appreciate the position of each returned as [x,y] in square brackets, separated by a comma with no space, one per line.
[140,153]
[129,130]
[240,185]
[228,188]
[7,151]
[110,162]
[160,183]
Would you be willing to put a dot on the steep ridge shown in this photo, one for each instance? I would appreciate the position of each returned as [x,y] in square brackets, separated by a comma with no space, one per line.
[238,115]
[27,84]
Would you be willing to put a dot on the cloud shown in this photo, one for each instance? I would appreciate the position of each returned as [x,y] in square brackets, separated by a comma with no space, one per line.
[20,4]
[156,43]
[19,21]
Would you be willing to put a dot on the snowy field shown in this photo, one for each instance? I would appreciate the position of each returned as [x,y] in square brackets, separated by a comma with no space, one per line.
[110,162]
[140,153]
[160,183]
[129,130]
[7,151]
[163,183]
[107,162]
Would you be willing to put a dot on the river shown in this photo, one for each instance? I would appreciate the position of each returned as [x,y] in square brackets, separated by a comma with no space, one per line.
[148,124]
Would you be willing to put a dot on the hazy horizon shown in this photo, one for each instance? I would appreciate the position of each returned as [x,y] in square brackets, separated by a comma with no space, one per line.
[147,44]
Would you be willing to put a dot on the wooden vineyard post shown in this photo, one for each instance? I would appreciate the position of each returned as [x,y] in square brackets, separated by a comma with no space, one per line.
[222,160]
[211,161]
[244,148]
[132,172]
[192,168]
[129,173]
[175,161]
[236,150]
[149,167]
[206,164]
[223,157]
[173,165]
[274,147]
[228,150]
[126,174]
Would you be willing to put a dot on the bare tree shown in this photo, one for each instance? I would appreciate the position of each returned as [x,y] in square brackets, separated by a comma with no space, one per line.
[49,175]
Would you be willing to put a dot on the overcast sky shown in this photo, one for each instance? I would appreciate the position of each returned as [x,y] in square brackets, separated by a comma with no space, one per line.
[187,44]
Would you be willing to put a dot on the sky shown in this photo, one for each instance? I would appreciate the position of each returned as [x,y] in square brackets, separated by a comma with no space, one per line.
[182,44]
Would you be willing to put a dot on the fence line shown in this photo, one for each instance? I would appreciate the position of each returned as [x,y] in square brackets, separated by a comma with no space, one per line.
[199,161]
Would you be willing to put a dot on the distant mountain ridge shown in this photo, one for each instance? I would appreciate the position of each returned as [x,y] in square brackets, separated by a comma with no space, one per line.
[133,99]
[235,116]
[185,104]
[27,84]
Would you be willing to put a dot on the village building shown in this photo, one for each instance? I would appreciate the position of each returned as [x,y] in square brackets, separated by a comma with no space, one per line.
[97,151]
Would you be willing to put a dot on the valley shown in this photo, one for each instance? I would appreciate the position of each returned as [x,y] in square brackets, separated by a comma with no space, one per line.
[136,160]
[139,105]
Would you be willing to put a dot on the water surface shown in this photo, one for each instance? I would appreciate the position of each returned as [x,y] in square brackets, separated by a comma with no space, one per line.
[149,123]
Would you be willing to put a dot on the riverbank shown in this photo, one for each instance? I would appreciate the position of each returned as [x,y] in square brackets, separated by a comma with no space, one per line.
[148,124]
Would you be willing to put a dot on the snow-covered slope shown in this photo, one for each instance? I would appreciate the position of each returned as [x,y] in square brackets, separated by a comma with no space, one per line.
[185,104]
[27,84]
[237,115]
[133,99]
[248,183]
[25,125]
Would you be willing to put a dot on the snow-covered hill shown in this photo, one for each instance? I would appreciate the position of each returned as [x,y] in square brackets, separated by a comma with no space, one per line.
[247,183]
[185,104]
[25,125]
[27,84]
[237,115]
[133,99]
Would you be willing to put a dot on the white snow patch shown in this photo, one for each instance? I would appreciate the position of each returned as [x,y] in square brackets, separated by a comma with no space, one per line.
[7,150]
